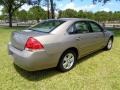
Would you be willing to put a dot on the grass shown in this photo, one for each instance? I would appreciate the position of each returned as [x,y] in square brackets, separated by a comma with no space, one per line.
[98,71]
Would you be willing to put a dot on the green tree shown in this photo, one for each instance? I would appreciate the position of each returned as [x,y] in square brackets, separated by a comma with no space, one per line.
[85,14]
[101,16]
[80,14]
[37,13]
[22,15]
[11,6]
[46,3]
[69,13]
[2,17]
[110,16]
[116,15]
[89,15]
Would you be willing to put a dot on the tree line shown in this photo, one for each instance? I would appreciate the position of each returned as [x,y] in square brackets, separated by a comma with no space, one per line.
[37,13]
[100,16]
[34,13]
[11,6]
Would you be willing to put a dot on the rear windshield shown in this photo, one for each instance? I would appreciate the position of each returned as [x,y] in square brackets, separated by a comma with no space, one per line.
[47,26]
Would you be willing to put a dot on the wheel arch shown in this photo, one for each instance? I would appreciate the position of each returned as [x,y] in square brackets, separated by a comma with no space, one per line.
[71,48]
[111,37]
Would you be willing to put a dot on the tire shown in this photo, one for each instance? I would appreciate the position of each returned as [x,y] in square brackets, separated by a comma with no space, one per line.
[109,44]
[67,61]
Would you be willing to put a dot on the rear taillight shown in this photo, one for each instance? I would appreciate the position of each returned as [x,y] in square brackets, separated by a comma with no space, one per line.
[33,44]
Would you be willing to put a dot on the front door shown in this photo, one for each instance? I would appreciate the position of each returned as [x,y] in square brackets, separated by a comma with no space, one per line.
[98,35]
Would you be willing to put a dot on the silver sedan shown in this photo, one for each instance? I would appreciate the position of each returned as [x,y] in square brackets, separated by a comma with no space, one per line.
[57,43]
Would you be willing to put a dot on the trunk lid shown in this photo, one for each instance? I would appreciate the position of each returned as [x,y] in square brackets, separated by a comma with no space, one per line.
[19,38]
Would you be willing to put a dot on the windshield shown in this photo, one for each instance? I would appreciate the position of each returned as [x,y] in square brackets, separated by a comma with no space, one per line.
[47,26]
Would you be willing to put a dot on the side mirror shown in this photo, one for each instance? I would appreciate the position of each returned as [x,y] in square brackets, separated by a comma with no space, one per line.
[105,30]
[103,25]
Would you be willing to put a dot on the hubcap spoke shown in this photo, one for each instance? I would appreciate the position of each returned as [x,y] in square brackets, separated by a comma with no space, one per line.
[71,60]
[65,65]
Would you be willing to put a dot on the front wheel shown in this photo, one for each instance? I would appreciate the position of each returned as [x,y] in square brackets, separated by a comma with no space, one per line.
[67,61]
[109,44]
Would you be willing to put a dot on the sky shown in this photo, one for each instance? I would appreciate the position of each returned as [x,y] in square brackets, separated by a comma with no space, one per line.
[86,5]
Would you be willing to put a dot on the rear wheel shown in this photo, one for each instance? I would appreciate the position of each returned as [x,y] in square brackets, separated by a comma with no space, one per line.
[67,61]
[109,44]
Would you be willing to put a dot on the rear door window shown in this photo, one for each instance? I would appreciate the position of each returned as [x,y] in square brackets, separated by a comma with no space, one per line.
[79,27]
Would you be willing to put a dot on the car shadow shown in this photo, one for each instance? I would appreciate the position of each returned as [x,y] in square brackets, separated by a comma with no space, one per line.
[36,75]
[44,74]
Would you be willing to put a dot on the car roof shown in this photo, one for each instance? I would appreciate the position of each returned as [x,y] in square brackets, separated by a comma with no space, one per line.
[74,19]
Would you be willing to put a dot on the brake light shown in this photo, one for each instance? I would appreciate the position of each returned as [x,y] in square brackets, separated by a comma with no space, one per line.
[33,44]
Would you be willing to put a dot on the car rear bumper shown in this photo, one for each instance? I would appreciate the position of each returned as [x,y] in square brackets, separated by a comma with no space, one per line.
[31,61]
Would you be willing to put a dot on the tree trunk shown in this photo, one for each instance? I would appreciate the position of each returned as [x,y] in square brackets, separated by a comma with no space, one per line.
[10,19]
[37,20]
[48,12]
[52,9]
